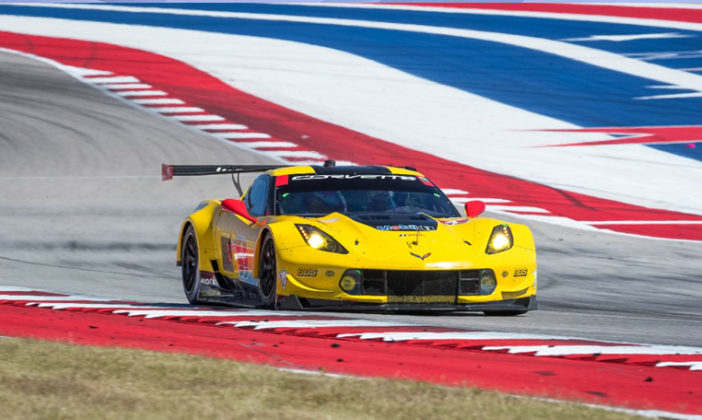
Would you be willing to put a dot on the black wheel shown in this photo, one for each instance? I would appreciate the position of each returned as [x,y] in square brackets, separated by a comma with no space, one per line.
[189,259]
[506,313]
[267,271]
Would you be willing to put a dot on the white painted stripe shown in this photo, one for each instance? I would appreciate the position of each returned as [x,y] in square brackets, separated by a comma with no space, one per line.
[296,154]
[450,335]
[37,298]
[453,191]
[629,37]
[672,96]
[69,305]
[645,222]
[120,86]
[572,350]
[485,200]
[659,23]
[176,109]
[160,313]
[198,117]
[113,79]
[219,126]
[142,93]
[158,101]
[312,323]
[696,365]
[267,144]
[516,208]
[233,135]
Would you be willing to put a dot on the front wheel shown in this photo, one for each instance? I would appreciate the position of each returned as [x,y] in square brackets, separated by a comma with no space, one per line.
[267,270]
[190,266]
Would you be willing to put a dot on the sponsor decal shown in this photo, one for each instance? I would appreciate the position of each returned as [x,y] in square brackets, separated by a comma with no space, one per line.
[353,176]
[404,227]
[520,272]
[421,257]
[283,276]
[330,273]
[307,272]
[208,278]
[422,299]
[455,222]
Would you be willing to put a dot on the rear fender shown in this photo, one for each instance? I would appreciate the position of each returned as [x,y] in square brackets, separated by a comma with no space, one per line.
[201,221]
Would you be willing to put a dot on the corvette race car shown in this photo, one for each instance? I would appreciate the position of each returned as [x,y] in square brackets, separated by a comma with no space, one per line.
[351,237]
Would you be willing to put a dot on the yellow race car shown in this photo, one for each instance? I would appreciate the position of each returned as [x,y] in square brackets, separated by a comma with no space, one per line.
[351,237]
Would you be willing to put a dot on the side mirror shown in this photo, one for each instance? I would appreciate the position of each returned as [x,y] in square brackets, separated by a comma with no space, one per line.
[475,208]
[237,207]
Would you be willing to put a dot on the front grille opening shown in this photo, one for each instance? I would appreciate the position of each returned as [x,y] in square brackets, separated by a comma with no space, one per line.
[469,283]
[374,282]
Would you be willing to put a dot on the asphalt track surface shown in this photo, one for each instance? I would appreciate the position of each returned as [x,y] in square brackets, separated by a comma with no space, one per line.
[83,210]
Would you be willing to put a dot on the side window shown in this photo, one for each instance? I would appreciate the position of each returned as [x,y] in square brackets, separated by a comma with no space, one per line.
[257,197]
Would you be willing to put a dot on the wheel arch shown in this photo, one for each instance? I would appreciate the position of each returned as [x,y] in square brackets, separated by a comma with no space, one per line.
[267,231]
[201,222]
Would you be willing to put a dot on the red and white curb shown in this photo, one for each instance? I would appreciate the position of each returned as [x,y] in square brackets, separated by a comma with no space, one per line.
[641,379]
[309,325]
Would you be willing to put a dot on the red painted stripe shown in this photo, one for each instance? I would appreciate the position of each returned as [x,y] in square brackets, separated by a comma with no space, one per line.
[661,13]
[634,386]
[201,89]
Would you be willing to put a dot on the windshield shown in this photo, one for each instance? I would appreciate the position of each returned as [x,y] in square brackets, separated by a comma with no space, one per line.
[318,195]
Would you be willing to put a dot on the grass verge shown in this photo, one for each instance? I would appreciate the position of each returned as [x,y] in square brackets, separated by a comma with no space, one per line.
[49,380]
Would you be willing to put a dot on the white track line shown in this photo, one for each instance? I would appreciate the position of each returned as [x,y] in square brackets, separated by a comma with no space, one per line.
[198,117]
[176,109]
[268,144]
[219,127]
[229,135]
[142,93]
[158,101]
[578,349]
[312,323]
[37,298]
[113,79]
[120,86]
[160,313]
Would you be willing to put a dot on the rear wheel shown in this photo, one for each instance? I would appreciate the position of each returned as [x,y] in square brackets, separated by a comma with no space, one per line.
[267,271]
[190,266]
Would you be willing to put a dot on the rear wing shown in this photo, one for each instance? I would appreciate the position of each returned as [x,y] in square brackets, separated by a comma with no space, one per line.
[169,171]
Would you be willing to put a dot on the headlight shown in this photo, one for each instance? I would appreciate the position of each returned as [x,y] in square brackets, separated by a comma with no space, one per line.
[500,240]
[320,240]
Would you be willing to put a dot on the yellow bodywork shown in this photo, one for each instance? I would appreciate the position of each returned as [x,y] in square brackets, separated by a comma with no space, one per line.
[456,244]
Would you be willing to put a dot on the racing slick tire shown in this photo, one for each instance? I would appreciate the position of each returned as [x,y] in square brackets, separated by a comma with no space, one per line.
[190,264]
[267,269]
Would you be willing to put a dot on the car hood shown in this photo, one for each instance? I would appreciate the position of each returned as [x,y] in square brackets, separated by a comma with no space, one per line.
[409,241]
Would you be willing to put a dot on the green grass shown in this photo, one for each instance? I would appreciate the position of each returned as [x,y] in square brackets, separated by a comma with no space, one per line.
[48,380]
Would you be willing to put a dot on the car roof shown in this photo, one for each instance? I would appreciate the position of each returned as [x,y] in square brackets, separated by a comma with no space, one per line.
[343,170]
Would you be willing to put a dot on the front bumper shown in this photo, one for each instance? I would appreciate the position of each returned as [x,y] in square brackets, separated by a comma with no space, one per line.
[510,305]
